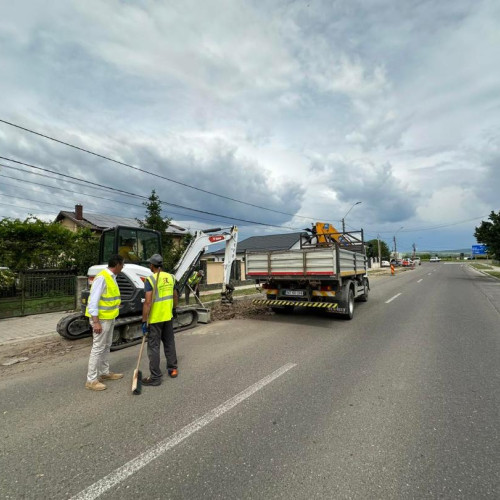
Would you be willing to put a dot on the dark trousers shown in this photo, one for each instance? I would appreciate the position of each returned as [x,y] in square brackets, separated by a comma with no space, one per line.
[158,333]
[187,292]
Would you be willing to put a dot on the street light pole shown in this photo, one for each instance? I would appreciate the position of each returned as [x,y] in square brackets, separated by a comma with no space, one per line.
[395,247]
[343,218]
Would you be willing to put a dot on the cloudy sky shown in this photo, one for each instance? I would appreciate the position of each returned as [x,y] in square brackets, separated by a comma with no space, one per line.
[296,109]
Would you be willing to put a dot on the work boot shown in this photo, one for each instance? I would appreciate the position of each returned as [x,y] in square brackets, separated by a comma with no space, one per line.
[173,372]
[110,376]
[151,382]
[95,385]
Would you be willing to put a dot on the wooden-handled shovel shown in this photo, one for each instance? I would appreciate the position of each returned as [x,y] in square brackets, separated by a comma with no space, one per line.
[137,378]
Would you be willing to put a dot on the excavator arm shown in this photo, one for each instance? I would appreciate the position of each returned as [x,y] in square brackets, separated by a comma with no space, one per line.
[196,248]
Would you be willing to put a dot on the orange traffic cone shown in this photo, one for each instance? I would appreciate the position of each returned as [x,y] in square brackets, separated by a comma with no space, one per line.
[393,271]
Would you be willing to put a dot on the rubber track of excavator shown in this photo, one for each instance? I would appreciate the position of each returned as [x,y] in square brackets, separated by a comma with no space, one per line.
[64,323]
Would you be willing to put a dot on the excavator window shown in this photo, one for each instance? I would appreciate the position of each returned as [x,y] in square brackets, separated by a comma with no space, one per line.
[133,244]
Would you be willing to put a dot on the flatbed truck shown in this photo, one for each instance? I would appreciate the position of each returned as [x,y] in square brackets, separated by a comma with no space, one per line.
[328,271]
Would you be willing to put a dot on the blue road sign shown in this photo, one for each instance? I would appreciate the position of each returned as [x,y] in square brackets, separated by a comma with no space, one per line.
[479,249]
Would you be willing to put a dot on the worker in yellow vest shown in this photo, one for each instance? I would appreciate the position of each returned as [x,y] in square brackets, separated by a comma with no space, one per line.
[158,314]
[193,283]
[102,308]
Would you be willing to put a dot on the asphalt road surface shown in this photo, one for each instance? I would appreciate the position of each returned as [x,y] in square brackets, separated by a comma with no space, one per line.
[400,402]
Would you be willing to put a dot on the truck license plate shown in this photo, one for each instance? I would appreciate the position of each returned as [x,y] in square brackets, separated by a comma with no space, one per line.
[295,293]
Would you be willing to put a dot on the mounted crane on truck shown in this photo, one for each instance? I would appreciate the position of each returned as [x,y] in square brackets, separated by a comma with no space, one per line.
[328,271]
[136,245]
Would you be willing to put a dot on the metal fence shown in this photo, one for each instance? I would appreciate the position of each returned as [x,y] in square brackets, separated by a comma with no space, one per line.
[39,291]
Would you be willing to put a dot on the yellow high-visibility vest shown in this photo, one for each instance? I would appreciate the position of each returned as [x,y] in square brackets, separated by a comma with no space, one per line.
[194,279]
[109,303]
[163,298]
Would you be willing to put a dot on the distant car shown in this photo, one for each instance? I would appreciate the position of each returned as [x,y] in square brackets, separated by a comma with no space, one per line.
[385,263]
[406,262]
[417,261]
[435,259]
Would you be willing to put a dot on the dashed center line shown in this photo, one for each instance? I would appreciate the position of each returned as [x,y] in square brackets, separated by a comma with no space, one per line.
[392,298]
[421,279]
[122,473]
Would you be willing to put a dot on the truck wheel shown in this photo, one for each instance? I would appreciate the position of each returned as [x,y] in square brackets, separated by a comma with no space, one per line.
[349,305]
[366,288]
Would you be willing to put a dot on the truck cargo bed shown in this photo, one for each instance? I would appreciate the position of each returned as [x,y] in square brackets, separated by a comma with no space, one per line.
[324,263]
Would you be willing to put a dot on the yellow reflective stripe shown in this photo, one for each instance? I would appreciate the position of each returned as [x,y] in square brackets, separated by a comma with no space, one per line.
[160,299]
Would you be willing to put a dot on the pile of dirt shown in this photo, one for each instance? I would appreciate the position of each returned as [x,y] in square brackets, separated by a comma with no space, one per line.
[239,309]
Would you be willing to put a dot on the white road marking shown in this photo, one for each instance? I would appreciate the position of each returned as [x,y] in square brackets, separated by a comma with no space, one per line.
[429,274]
[421,279]
[125,471]
[392,298]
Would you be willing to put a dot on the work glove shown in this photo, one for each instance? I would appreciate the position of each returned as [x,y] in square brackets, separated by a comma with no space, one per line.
[145,328]
[174,312]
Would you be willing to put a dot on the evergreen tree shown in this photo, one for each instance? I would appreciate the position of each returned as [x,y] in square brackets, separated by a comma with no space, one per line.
[489,234]
[155,220]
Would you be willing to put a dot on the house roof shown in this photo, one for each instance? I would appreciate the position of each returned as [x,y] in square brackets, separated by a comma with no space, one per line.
[268,242]
[99,222]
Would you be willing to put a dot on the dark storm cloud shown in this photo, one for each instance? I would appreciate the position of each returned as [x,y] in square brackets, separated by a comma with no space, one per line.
[384,197]
[218,169]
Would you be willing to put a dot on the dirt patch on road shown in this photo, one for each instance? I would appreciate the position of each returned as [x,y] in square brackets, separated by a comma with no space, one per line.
[23,355]
[27,354]
[240,309]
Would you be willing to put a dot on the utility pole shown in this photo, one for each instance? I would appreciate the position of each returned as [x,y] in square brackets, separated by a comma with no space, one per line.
[379,251]
[395,247]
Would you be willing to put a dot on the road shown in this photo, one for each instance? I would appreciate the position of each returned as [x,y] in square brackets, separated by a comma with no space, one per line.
[400,402]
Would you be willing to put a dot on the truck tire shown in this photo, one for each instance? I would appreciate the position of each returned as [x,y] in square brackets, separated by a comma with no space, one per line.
[366,289]
[349,305]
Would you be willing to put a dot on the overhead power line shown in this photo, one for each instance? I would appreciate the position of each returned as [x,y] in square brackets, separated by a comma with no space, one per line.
[156,175]
[25,208]
[146,198]
[24,181]
[68,191]
[37,210]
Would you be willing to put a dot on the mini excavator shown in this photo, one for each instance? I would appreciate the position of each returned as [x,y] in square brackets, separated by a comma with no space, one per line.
[136,245]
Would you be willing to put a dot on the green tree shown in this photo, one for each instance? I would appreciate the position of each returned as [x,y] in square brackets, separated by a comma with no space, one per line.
[488,233]
[33,244]
[155,220]
[84,250]
[36,244]
[372,249]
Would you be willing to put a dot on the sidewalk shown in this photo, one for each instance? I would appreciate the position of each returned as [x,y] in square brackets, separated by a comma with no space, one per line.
[29,327]
[43,325]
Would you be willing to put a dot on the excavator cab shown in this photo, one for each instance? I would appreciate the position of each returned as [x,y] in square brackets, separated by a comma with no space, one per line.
[135,245]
